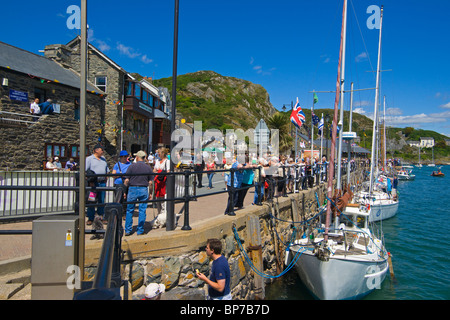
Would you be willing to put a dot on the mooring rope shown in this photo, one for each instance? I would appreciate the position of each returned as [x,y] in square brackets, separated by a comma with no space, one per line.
[260,273]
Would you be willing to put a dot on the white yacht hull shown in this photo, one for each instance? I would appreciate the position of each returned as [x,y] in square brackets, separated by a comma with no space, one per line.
[382,210]
[405,177]
[383,207]
[340,278]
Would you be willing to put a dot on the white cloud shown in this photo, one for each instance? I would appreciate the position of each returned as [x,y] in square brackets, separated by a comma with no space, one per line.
[363,103]
[359,110]
[260,70]
[394,111]
[127,51]
[133,53]
[145,59]
[103,46]
[445,106]
[418,119]
[361,57]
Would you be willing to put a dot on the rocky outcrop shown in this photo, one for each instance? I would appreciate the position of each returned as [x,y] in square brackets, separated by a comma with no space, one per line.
[220,102]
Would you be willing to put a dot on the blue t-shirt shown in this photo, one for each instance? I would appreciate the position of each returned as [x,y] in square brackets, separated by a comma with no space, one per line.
[220,270]
[238,176]
[123,167]
[249,174]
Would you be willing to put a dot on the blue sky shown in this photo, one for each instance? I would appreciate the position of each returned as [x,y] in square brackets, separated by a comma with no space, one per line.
[290,47]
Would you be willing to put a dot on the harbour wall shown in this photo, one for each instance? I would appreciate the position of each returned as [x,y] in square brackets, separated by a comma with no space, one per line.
[172,257]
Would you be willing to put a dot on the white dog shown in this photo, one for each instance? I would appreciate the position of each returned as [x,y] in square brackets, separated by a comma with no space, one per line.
[160,220]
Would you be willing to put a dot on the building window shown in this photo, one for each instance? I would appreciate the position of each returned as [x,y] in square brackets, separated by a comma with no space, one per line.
[150,101]
[100,82]
[77,109]
[41,94]
[129,89]
[145,96]
[137,91]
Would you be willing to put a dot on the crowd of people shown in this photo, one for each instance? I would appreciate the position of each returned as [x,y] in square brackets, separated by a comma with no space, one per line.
[145,175]
[139,176]
[54,164]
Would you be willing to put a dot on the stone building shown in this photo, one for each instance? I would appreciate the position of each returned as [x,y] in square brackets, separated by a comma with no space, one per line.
[26,141]
[134,108]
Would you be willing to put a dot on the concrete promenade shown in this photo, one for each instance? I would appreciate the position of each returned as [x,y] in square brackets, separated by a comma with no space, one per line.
[15,247]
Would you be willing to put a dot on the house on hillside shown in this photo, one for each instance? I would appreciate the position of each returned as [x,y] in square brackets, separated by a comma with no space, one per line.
[28,140]
[426,142]
[414,143]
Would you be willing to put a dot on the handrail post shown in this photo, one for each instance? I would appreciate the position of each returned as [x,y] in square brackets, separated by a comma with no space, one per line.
[259,185]
[230,211]
[77,192]
[285,181]
[107,280]
[187,198]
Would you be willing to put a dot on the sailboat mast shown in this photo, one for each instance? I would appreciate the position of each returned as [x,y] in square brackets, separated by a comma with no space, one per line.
[341,117]
[312,134]
[384,134]
[334,131]
[375,116]
[350,130]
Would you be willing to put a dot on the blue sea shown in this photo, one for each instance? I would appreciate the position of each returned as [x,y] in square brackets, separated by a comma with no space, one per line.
[418,238]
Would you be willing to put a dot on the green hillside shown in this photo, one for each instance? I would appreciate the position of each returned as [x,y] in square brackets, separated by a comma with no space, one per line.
[219,102]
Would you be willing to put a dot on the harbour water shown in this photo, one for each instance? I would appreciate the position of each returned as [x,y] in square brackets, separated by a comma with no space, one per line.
[417,238]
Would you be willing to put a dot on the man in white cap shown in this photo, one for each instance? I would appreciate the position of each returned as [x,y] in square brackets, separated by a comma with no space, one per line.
[154,291]
[137,191]
[97,163]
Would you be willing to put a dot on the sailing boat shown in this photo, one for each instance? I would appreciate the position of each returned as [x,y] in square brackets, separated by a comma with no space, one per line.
[432,153]
[378,194]
[345,261]
[419,165]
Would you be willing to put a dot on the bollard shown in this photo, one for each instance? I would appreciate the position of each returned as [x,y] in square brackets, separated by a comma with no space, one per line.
[187,198]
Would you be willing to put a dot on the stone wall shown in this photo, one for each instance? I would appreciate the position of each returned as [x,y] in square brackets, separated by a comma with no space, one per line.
[97,66]
[23,145]
[261,234]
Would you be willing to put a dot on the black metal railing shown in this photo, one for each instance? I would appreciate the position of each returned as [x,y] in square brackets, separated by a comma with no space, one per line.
[107,281]
[34,194]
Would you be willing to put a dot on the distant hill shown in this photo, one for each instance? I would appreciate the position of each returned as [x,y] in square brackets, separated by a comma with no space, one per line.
[220,102]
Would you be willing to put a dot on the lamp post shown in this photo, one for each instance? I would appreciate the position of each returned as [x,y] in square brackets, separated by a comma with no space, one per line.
[170,222]
[327,119]
[82,179]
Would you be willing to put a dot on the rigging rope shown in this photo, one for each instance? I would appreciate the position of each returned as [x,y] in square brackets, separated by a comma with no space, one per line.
[260,273]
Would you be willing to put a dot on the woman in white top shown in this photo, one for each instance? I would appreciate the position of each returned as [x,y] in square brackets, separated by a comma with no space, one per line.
[50,165]
[160,181]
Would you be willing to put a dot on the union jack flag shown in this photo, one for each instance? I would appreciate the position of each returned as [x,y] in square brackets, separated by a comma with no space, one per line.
[297,115]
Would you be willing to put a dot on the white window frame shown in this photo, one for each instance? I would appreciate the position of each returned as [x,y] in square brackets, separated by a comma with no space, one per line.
[101,86]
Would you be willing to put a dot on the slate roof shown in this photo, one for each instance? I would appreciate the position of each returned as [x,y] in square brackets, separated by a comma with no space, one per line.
[38,66]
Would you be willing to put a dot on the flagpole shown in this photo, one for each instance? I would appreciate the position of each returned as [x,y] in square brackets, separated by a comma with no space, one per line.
[321,140]
[292,108]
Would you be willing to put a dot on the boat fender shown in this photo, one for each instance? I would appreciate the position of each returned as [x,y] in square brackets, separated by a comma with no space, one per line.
[287,256]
